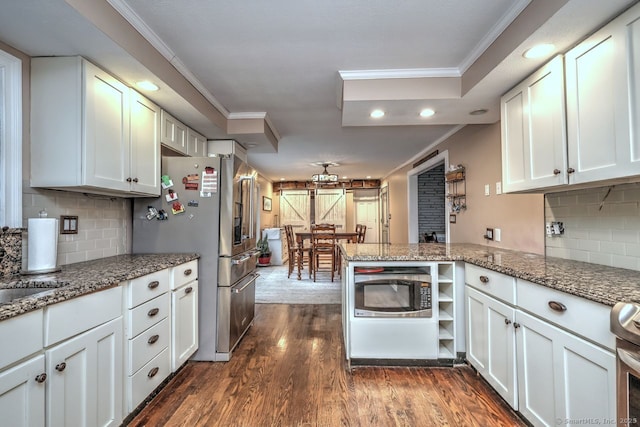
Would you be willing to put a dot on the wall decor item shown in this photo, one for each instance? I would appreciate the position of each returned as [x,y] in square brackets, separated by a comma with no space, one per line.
[266,203]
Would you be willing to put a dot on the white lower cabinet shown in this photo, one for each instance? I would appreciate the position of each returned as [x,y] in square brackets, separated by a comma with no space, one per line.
[491,343]
[543,363]
[84,382]
[184,327]
[22,390]
[562,377]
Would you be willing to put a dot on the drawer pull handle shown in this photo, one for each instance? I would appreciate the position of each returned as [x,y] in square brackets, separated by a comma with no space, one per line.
[484,279]
[557,306]
[153,338]
[152,373]
[153,312]
[188,290]
[516,325]
[153,285]
[507,321]
[41,378]
[61,367]
[188,272]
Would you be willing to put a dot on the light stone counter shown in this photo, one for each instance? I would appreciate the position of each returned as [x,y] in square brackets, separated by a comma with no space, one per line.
[606,285]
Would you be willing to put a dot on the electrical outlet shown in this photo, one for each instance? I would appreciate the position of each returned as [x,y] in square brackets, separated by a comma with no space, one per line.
[498,187]
[487,189]
[549,228]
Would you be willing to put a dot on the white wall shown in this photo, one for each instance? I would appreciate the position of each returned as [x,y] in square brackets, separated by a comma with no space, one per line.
[597,230]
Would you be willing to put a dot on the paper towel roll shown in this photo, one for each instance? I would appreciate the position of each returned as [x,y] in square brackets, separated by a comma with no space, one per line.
[42,245]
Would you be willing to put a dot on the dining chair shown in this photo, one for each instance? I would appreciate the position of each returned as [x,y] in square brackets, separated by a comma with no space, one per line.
[298,254]
[361,229]
[323,248]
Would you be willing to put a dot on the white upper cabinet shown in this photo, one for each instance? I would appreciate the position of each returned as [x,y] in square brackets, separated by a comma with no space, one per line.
[603,102]
[145,145]
[174,133]
[80,129]
[534,131]
[196,144]
[585,128]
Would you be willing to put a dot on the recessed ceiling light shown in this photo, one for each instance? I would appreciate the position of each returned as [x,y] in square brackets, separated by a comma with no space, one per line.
[427,112]
[368,176]
[376,114]
[147,85]
[539,51]
[281,179]
[478,112]
[344,177]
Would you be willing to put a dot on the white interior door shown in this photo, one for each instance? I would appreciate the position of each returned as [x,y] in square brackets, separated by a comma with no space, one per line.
[331,207]
[294,209]
[367,214]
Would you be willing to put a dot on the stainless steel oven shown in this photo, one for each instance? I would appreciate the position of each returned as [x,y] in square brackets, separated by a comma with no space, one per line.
[392,292]
[625,324]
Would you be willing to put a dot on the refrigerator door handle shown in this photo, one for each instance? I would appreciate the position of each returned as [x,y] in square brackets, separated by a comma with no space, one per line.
[240,260]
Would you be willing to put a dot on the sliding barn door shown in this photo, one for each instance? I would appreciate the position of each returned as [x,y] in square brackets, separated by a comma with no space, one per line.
[331,207]
[294,209]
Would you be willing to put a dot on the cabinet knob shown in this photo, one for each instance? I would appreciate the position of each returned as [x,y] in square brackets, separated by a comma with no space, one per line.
[152,373]
[41,378]
[484,279]
[557,306]
[188,290]
[153,312]
[516,325]
[188,272]
[135,179]
[153,285]
[557,171]
[61,366]
[153,338]
[507,321]
[129,179]
[571,170]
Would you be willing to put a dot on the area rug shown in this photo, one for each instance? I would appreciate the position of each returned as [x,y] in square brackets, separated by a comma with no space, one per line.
[273,287]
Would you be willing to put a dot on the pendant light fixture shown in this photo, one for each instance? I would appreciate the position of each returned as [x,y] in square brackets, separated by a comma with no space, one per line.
[325,176]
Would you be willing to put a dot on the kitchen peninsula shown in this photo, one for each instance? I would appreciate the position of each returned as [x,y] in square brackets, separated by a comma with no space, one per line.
[535,327]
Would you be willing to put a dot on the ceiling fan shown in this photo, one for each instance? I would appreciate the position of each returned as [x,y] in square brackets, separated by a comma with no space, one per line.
[325,176]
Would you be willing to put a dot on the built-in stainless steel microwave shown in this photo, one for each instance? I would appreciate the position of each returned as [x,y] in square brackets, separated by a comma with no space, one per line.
[387,293]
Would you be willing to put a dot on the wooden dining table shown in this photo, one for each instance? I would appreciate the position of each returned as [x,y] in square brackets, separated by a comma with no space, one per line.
[301,236]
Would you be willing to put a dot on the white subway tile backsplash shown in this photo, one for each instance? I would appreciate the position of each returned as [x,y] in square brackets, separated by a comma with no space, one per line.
[599,228]
[102,222]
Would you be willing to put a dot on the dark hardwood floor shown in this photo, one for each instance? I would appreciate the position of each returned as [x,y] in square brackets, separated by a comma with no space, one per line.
[289,370]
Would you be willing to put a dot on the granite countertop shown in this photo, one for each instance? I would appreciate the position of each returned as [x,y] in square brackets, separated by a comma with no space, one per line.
[606,285]
[84,277]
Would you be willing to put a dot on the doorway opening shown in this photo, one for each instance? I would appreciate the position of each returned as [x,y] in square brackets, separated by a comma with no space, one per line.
[427,201]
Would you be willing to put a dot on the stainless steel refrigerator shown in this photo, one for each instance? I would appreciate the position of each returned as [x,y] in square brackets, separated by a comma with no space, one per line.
[208,206]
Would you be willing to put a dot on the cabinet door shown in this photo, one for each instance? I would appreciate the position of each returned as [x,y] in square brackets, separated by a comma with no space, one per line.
[196,144]
[601,72]
[184,329]
[106,130]
[85,378]
[145,145]
[173,133]
[561,376]
[534,131]
[22,395]
[491,342]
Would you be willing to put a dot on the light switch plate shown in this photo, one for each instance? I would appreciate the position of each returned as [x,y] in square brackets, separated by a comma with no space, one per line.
[498,187]
[487,189]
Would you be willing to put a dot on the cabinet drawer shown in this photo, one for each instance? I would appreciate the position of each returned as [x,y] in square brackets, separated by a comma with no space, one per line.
[148,344]
[143,382]
[69,318]
[491,282]
[148,314]
[28,343]
[580,316]
[147,287]
[184,273]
